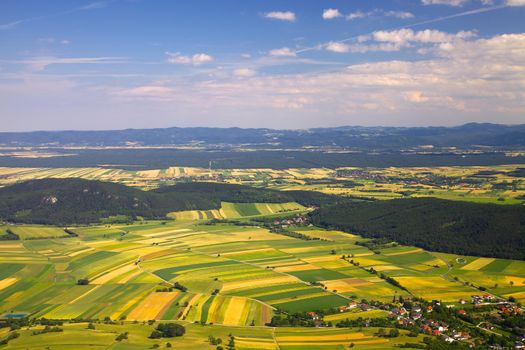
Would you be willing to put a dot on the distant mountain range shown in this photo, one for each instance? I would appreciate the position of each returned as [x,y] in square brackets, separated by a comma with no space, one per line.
[468,135]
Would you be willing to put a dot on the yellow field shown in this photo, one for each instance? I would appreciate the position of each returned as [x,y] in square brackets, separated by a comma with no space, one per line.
[6,282]
[345,285]
[417,250]
[254,283]
[150,307]
[517,281]
[294,268]
[314,338]
[234,313]
[114,274]
[478,264]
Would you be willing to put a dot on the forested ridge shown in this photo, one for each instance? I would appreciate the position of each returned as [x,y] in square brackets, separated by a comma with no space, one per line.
[78,201]
[434,224]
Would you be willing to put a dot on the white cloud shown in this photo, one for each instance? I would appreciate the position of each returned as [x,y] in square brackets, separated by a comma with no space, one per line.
[515,2]
[399,14]
[285,51]
[282,16]
[355,15]
[379,13]
[196,60]
[415,96]
[445,2]
[405,36]
[337,47]
[244,72]
[331,13]
[468,78]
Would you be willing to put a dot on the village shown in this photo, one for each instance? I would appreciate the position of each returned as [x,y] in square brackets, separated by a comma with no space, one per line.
[450,322]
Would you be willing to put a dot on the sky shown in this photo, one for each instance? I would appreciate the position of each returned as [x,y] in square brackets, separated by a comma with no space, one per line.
[294,64]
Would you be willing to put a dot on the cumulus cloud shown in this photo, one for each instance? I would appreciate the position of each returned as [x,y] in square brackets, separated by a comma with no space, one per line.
[467,77]
[244,72]
[281,15]
[196,60]
[337,47]
[405,36]
[285,51]
[331,13]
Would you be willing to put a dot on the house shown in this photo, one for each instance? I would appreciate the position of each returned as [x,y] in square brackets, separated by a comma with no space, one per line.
[415,315]
[448,339]
[351,305]
[460,335]
[462,301]
[462,312]
[430,308]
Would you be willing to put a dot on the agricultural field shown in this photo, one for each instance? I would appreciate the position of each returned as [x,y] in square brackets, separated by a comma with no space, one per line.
[232,276]
[196,338]
[218,278]
[239,210]
[501,184]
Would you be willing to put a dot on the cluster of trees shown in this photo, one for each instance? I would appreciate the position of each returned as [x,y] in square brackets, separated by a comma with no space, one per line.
[434,224]
[48,329]
[9,236]
[294,234]
[179,286]
[168,330]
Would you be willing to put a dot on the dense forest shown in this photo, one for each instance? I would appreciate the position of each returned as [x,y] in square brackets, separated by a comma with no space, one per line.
[78,201]
[434,224]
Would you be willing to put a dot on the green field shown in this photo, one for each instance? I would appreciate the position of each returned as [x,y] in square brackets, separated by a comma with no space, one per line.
[239,210]
[236,279]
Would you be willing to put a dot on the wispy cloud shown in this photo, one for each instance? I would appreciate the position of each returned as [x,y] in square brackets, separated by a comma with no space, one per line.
[445,2]
[284,51]
[244,72]
[41,62]
[379,13]
[91,6]
[515,2]
[281,15]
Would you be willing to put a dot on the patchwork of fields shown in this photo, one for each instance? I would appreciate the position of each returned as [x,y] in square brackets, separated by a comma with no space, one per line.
[483,184]
[234,276]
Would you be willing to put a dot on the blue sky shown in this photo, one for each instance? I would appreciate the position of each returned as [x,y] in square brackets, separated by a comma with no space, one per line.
[280,64]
